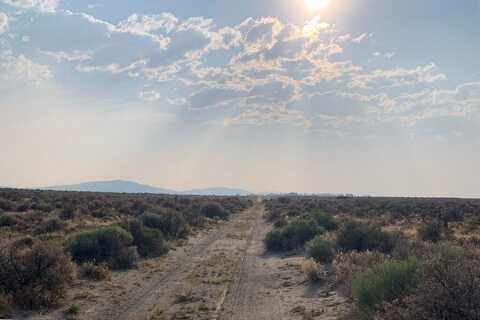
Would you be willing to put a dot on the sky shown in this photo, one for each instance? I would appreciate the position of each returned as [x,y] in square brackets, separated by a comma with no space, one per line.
[377,97]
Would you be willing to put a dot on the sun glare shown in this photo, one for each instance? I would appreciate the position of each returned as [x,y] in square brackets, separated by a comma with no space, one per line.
[316,5]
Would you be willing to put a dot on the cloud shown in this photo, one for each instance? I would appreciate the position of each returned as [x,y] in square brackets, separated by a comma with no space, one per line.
[261,116]
[40,5]
[362,37]
[18,71]
[148,24]
[3,22]
[261,70]
[149,95]
[468,92]
[398,77]
[69,56]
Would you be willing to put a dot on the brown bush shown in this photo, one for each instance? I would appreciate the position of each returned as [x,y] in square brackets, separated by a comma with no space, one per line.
[92,271]
[312,270]
[35,276]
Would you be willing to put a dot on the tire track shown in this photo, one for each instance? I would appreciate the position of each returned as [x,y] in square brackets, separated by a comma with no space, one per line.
[245,301]
[140,302]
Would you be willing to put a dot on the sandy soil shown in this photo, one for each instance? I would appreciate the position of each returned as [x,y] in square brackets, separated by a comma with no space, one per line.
[221,273]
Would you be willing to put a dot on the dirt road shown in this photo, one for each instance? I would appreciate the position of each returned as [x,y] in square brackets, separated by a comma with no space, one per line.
[222,273]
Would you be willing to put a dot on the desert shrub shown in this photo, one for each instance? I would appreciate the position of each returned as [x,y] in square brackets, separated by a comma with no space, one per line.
[149,242]
[171,223]
[431,231]
[6,305]
[274,240]
[312,270]
[320,250]
[53,225]
[35,276]
[110,245]
[325,220]
[214,210]
[292,236]
[273,215]
[449,288]
[362,237]
[346,265]
[67,214]
[92,271]
[73,310]
[7,221]
[384,283]
[193,217]
[300,231]
[6,205]
[280,223]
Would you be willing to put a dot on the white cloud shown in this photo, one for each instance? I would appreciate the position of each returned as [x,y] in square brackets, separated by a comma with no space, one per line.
[261,116]
[147,24]
[266,67]
[149,95]
[398,77]
[362,37]
[3,22]
[114,68]
[41,5]
[20,69]
[69,56]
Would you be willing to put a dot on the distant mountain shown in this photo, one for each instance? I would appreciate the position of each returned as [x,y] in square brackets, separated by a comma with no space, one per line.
[122,186]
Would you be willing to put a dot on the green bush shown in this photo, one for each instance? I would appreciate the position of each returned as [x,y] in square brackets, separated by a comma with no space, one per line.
[320,250]
[449,288]
[7,221]
[384,283]
[214,210]
[149,242]
[325,220]
[361,237]
[73,310]
[171,223]
[292,236]
[53,225]
[110,245]
[5,305]
[274,240]
[36,276]
[431,231]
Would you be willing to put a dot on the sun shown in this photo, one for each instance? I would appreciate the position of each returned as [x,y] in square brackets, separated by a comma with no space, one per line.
[316,5]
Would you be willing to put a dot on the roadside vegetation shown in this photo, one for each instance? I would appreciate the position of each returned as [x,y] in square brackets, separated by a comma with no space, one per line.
[49,239]
[395,259]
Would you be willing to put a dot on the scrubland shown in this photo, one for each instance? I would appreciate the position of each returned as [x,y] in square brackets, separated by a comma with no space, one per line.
[68,255]
[392,258]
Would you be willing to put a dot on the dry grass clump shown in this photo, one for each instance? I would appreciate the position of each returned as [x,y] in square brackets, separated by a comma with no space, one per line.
[346,265]
[312,270]
[95,272]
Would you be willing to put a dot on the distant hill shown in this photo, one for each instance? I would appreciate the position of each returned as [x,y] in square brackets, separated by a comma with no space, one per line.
[122,186]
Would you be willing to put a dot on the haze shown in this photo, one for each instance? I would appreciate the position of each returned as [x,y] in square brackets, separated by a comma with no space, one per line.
[265,95]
